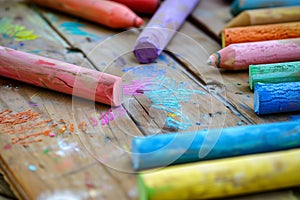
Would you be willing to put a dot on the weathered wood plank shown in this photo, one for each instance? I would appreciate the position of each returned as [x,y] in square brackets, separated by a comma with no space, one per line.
[211,16]
[70,154]
[95,163]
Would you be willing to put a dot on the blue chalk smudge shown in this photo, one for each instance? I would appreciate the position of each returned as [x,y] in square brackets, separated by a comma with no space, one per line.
[169,95]
[146,71]
[74,28]
[163,58]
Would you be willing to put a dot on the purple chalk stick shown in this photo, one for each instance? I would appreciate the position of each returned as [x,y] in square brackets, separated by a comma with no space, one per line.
[161,28]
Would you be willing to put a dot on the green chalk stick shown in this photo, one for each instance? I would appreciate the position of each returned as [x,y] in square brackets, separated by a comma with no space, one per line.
[274,73]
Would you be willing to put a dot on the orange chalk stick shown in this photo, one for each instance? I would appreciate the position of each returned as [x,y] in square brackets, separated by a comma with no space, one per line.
[260,33]
[108,13]
[60,76]
[141,6]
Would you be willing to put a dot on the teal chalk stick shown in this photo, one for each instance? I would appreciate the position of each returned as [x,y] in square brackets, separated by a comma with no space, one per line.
[276,98]
[274,73]
[240,5]
[174,148]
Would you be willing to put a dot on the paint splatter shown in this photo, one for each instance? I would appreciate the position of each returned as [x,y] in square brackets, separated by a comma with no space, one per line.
[111,115]
[66,148]
[15,32]
[30,127]
[75,29]
[31,103]
[7,147]
[106,117]
[32,168]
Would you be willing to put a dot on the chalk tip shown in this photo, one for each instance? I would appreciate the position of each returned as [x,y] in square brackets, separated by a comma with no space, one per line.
[138,22]
[146,52]
[212,60]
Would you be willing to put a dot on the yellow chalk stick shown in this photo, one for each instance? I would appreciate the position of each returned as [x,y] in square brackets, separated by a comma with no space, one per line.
[222,178]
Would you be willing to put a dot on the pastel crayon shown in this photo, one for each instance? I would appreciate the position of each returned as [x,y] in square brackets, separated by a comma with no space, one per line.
[240,5]
[240,56]
[108,13]
[141,6]
[174,148]
[276,98]
[274,73]
[60,76]
[260,33]
[222,178]
[265,16]
[161,28]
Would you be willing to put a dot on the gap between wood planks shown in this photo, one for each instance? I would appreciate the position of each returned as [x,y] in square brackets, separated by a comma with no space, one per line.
[18,192]
[204,29]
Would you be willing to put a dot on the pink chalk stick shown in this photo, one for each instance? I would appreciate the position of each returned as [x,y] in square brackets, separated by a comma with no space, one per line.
[61,76]
[240,56]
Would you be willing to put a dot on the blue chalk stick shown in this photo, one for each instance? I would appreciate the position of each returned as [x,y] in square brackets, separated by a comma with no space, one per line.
[174,148]
[276,98]
[240,5]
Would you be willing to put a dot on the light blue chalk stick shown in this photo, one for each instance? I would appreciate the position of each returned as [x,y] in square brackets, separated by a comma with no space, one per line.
[240,5]
[173,148]
[276,98]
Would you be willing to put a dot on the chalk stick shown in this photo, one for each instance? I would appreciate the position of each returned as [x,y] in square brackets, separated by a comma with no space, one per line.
[174,148]
[240,56]
[60,76]
[222,178]
[260,33]
[276,98]
[265,16]
[141,6]
[240,5]
[274,73]
[161,28]
[108,13]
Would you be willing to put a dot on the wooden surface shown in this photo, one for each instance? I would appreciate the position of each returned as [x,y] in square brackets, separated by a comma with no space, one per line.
[95,163]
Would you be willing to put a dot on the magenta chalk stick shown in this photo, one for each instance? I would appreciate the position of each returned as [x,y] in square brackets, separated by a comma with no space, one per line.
[161,28]
[61,76]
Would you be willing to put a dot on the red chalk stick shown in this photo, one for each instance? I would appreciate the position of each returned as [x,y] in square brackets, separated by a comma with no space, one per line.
[60,76]
[141,6]
[108,13]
